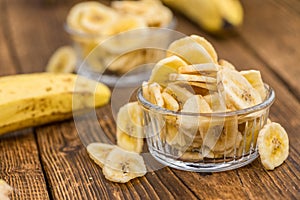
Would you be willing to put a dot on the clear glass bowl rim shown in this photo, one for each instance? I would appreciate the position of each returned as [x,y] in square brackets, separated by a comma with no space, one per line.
[268,101]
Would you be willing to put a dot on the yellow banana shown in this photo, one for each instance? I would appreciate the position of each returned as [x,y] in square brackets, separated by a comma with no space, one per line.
[213,16]
[39,98]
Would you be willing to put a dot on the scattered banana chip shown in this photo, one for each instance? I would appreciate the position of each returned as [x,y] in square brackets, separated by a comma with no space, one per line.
[118,165]
[5,190]
[273,145]
[98,152]
[121,166]
[62,61]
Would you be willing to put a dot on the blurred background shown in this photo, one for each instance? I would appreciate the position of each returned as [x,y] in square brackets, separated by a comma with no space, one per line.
[31,30]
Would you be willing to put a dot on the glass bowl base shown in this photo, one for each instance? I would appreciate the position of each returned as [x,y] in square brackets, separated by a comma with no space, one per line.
[204,166]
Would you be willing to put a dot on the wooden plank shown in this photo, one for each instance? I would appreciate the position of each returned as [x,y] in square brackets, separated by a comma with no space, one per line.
[272,32]
[7,63]
[36,31]
[20,166]
[19,158]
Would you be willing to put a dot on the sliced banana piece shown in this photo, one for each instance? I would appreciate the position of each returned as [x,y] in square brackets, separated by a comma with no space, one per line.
[237,90]
[63,60]
[273,145]
[174,137]
[191,77]
[147,10]
[130,119]
[207,46]
[208,86]
[216,102]
[125,23]
[156,95]
[161,71]
[5,190]
[98,152]
[226,64]
[128,142]
[206,69]
[91,17]
[121,166]
[190,51]
[145,90]
[220,135]
[254,78]
[170,102]
[181,94]
[189,124]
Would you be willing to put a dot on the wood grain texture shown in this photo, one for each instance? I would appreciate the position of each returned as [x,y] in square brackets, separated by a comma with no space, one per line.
[20,166]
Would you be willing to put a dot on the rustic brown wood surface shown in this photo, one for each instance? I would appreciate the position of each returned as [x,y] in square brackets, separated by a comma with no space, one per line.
[50,162]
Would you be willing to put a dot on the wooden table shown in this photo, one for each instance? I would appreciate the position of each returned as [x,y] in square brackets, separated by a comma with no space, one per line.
[50,162]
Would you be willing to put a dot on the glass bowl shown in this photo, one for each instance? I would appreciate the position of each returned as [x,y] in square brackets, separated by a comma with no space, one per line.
[130,55]
[204,142]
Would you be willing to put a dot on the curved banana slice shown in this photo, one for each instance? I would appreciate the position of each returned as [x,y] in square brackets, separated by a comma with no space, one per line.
[207,46]
[170,102]
[121,166]
[128,142]
[62,61]
[216,102]
[5,190]
[191,77]
[98,152]
[146,10]
[226,64]
[220,135]
[254,78]
[130,119]
[208,86]
[206,68]
[174,137]
[181,94]
[126,62]
[238,92]
[156,95]
[161,71]
[145,89]
[273,145]
[125,23]
[128,34]
[189,124]
[190,51]
[91,17]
